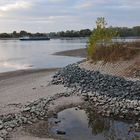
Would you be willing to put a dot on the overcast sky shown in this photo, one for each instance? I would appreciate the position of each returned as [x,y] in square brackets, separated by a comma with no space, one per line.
[57,15]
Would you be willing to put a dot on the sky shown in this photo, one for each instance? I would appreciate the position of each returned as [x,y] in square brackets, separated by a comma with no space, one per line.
[57,15]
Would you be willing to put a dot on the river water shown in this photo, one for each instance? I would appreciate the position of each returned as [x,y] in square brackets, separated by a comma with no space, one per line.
[16,54]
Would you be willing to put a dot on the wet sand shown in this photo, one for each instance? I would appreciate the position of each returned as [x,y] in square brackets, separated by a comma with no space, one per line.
[21,87]
[75,53]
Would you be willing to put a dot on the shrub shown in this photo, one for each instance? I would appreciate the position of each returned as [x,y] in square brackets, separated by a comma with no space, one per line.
[100,37]
[114,52]
[102,48]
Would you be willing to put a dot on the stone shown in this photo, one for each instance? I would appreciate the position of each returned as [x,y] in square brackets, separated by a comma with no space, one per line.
[55,115]
[9,129]
[3,133]
[1,126]
[60,132]
[136,125]
[57,121]
[27,109]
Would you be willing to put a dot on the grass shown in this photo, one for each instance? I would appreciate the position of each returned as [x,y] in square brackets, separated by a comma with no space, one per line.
[135,44]
[116,52]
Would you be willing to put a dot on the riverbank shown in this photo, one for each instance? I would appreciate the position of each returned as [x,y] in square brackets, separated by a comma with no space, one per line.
[119,99]
[28,96]
[20,87]
[128,68]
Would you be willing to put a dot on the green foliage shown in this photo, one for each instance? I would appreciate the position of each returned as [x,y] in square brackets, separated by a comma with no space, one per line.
[101,36]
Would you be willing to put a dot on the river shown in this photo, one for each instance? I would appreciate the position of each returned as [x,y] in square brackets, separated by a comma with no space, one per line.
[17,55]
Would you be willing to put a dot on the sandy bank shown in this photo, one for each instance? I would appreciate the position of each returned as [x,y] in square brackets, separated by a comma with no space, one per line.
[20,87]
[128,68]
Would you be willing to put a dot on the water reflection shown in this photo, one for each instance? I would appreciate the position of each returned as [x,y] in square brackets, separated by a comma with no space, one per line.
[82,124]
[87,125]
[111,129]
[97,123]
[15,54]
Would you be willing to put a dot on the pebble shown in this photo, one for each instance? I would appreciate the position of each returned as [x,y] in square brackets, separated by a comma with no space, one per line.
[1,126]
[9,129]
[60,132]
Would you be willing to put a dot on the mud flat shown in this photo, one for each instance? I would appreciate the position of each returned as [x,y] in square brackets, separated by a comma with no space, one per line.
[76,53]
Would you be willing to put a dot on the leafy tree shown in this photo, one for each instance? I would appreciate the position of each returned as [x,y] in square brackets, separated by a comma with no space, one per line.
[101,36]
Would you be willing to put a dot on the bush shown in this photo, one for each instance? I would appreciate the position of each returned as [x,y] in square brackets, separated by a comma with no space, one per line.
[101,47]
[114,52]
[100,37]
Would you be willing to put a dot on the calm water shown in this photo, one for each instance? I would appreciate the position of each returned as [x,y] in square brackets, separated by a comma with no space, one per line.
[87,125]
[15,54]
[81,125]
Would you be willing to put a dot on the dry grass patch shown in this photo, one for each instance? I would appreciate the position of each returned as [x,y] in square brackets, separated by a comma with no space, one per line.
[135,44]
[115,52]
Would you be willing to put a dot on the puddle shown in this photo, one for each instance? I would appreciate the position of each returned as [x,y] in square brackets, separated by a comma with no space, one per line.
[86,125]
[78,125]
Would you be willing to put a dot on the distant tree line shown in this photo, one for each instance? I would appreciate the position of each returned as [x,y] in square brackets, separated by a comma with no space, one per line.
[122,31]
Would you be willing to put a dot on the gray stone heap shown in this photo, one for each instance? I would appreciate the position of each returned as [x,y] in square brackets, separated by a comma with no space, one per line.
[85,81]
[31,113]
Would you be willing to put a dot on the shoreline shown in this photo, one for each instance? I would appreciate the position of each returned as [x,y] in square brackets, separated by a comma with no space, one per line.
[23,72]
[27,94]
[73,53]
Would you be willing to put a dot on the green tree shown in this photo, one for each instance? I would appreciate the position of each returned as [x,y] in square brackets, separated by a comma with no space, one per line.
[101,36]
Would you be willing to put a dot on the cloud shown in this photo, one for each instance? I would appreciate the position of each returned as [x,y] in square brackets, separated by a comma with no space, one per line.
[89,4]
[84,5]
[15,6]
[56,15]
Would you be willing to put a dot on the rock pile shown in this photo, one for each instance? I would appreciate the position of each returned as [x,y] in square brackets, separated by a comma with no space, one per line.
[31,113]
[93,81]
[110,95]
